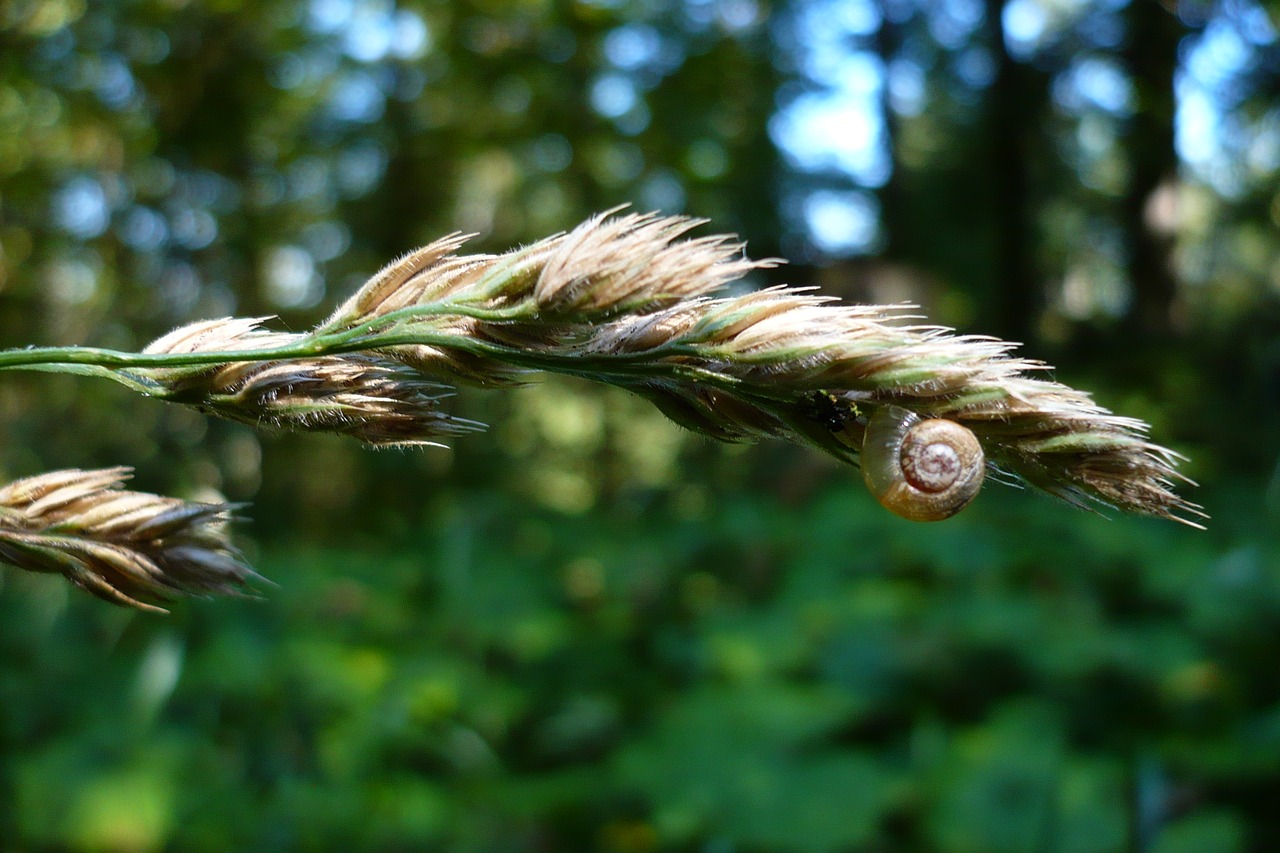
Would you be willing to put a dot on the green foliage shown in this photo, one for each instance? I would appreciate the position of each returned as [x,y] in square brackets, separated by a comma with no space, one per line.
[765,673]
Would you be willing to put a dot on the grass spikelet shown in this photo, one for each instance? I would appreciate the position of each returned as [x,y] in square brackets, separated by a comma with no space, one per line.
[129,548]
[374,399]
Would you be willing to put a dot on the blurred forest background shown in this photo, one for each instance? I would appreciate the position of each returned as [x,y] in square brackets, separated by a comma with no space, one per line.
[587,629]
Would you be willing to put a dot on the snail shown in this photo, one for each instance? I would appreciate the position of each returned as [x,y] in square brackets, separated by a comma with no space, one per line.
[921,469]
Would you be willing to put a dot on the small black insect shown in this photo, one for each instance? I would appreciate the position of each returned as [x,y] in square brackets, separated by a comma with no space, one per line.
[830,411]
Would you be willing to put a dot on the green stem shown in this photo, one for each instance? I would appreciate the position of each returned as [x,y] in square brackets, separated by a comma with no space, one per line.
[39,358]
[395,329]
[48,358]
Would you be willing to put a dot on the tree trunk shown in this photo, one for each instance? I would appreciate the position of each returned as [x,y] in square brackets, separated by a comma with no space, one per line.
[892,203]
[1015,106]
[1151,55]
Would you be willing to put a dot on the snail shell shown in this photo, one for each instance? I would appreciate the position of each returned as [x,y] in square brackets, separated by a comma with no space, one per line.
[923,470]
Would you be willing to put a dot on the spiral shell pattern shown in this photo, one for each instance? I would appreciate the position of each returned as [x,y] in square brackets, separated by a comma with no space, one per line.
[921,469]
